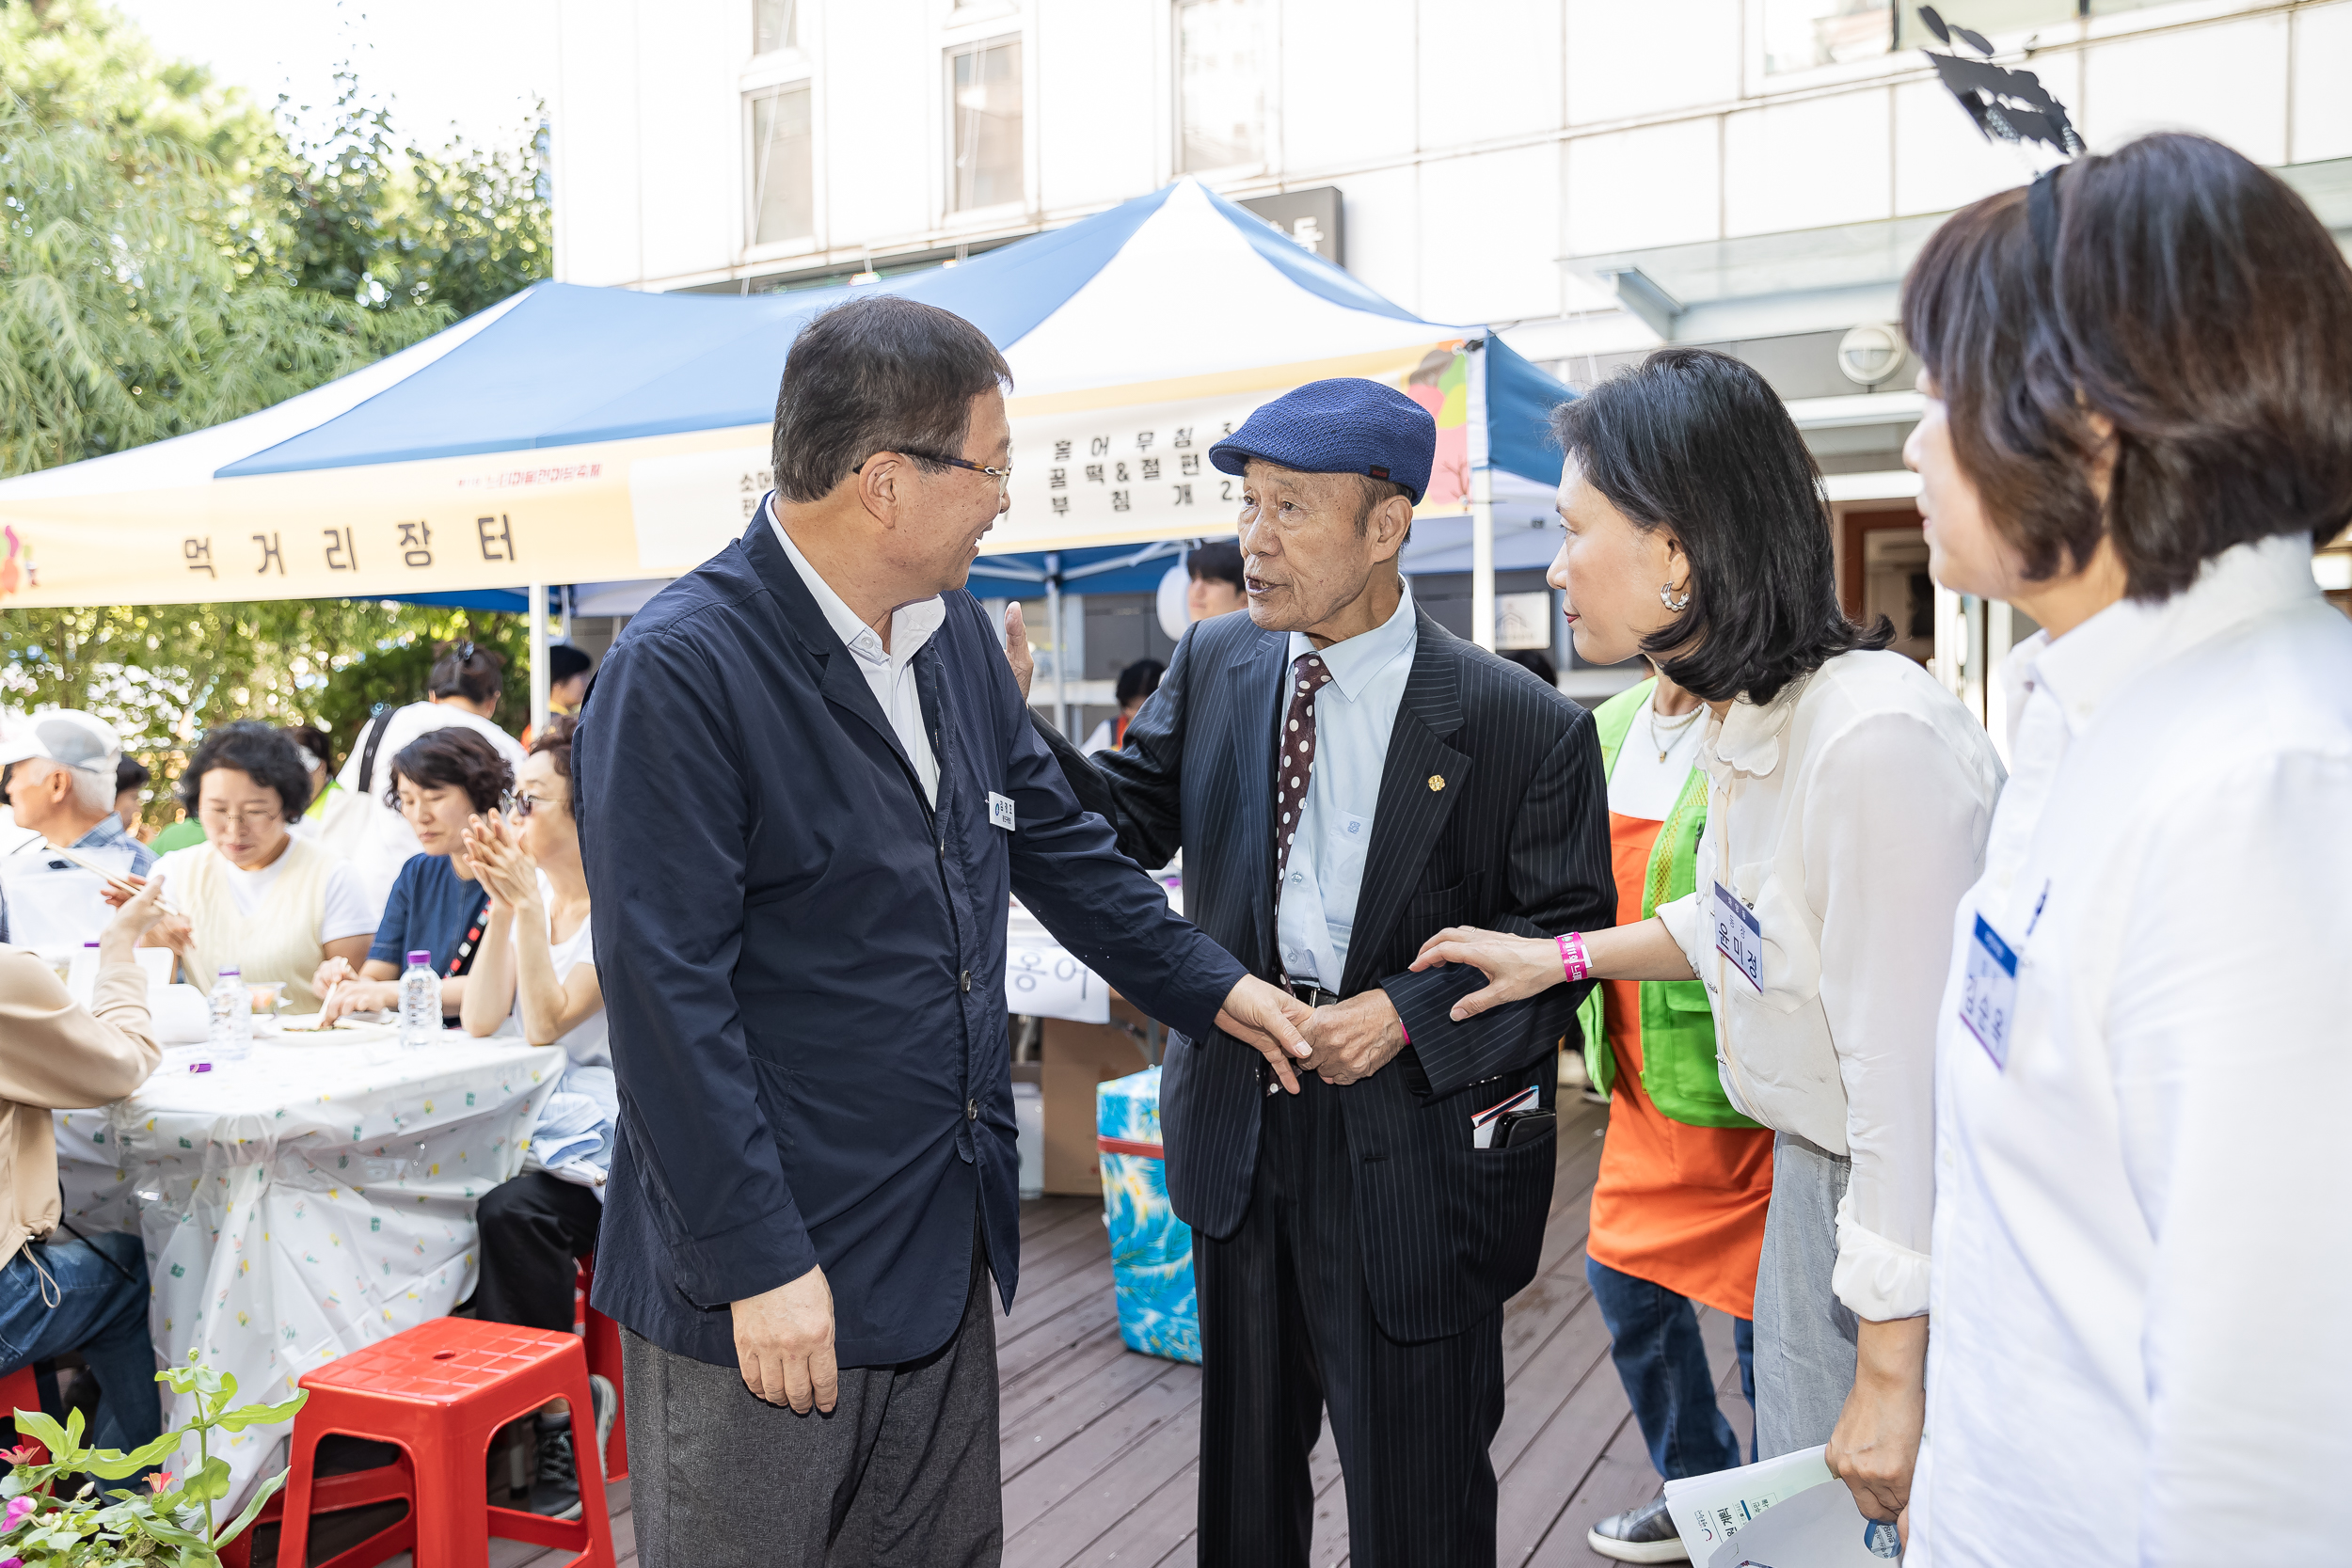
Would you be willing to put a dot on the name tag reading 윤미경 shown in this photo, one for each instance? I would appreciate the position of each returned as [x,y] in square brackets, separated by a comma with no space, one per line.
[1000,810]
[1739,936]
[1988,992]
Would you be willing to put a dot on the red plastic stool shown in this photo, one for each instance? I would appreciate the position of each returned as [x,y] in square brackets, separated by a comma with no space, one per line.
[332,1495]
[602,1336]
[21,1390]
[442,1391]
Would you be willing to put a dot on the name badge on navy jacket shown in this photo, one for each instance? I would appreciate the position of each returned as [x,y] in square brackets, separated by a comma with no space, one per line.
[1000,810]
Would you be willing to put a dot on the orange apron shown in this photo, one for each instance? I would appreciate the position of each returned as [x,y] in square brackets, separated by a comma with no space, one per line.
[1681,1207]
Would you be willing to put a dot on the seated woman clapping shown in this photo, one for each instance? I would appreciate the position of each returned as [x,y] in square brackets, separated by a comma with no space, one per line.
[441,780]
[537,976]
[252,894]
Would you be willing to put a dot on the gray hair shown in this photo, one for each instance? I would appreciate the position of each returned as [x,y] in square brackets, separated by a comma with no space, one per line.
[91,792]
[878,374]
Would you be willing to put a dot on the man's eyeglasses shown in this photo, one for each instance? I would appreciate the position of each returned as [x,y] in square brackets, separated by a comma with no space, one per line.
[1002,476]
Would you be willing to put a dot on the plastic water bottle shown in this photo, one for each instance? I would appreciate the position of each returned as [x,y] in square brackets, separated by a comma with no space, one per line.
[230,1039]
[419,1003]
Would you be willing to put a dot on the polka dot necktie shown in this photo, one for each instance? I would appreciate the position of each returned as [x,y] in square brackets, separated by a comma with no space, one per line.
[1297,753]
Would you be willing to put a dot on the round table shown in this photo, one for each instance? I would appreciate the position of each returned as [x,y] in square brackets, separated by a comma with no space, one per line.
[305,1202]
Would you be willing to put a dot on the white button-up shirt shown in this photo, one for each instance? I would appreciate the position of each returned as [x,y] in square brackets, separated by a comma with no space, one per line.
[888,672]
[1355,711]
[1848,813]
[2143,1284]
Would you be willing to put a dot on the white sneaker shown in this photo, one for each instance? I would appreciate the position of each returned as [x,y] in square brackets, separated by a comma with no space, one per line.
[1643,1534]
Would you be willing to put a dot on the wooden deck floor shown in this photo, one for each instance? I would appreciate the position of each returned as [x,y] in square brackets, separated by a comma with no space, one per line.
[1101,1443]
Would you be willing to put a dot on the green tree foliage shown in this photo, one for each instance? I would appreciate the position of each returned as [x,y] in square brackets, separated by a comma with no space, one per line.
[162,675]
[170,259]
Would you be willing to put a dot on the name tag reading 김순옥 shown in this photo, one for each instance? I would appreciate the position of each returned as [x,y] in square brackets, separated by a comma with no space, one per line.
[1739,935]
[1988,992]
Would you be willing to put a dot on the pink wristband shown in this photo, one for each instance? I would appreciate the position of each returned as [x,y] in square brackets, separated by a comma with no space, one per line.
[1573,961]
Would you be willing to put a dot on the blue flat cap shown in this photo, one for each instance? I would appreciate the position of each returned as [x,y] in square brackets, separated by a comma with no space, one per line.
[1347,426]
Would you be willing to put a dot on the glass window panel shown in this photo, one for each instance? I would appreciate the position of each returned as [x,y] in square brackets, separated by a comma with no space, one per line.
[1989,17]
[1221,107]
[775,24]
[985,105]
[1801,34]
[782,182]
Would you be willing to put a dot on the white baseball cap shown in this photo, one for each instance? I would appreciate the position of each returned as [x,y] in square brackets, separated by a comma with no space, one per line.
[66,736]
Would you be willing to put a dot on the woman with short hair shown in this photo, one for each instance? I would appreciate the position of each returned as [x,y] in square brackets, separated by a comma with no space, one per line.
[1848,797]
[2140,417]
[440,781]
[253,894]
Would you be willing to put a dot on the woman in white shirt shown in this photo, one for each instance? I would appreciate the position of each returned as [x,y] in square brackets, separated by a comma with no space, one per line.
[1848,800]
[536,974]
[2139,415]
[254,894]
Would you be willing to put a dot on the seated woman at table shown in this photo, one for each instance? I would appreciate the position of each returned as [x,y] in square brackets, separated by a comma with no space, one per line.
[252,894]
[537,976]
[440,781]
[86,1294]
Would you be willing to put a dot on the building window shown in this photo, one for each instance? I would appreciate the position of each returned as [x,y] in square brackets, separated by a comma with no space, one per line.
[775,24]
[1801,34]
[1220,107]
[1992,17]
[984,104]
[782,203]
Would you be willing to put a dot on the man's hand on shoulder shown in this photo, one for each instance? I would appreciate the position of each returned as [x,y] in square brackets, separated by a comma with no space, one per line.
[1268,1018]
[784,1342]
[1355,1038]
[1017,653]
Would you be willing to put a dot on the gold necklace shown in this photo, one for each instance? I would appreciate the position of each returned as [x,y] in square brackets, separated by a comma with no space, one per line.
[1674,733]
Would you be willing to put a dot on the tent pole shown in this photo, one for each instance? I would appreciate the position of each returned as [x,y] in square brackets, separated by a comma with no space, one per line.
[538,591]
[1481,499]
[1061,671]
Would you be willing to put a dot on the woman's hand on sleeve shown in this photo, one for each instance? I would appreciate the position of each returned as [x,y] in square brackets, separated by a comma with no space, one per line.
[1514,967]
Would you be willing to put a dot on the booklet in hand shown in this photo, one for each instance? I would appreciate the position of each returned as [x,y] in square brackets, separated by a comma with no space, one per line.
[1722,1518]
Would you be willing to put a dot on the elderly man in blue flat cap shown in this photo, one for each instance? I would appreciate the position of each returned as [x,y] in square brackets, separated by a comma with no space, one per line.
[1345,777]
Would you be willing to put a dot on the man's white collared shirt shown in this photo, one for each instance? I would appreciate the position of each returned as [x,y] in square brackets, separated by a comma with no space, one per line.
[1355,711]
[888,672]
[2141,1286]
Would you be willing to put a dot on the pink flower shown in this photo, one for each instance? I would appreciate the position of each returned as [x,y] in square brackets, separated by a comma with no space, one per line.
[18,1508]
[12,1562]
[159,1482]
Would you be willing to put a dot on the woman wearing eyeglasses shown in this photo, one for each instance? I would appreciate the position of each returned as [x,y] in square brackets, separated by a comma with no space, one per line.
[537,977]
[462,692]
[252,894]
[440,782]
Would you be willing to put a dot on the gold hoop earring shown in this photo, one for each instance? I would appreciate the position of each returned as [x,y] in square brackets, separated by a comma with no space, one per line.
[1667,597]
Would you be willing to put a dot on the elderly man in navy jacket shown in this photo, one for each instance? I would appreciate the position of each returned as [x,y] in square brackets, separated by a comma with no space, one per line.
[808,783]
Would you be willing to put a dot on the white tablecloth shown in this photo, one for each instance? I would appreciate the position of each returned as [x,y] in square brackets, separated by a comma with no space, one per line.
[307,1202]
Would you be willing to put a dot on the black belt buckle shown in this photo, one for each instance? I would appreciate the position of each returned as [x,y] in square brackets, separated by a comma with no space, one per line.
[1314,996]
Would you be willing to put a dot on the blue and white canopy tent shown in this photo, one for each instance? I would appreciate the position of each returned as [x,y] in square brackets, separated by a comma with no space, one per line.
[601,436]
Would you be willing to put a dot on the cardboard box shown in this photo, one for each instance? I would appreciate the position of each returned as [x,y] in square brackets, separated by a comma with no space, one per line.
[1073,1059]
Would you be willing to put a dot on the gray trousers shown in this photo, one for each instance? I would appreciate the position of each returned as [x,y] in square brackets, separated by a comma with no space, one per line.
[1804,1335]
[903,1473]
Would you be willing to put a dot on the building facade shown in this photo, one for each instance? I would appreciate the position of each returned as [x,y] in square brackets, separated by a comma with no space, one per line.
[1593,179]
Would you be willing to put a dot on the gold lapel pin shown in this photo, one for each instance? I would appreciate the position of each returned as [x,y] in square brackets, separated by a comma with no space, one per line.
[1436,781]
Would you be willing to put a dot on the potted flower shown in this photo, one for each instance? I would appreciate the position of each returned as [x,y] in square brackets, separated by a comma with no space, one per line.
[77,1508]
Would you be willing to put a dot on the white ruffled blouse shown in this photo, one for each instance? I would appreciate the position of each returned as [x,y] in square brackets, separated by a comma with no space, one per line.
[1851,812]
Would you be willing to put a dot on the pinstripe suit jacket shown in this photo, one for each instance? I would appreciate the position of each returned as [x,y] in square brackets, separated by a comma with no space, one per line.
[1492,810]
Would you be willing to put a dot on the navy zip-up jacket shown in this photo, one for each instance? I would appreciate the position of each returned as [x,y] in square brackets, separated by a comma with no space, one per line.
[803,961]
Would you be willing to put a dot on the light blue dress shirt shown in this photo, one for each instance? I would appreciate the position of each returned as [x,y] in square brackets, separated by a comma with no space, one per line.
[1315,908]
